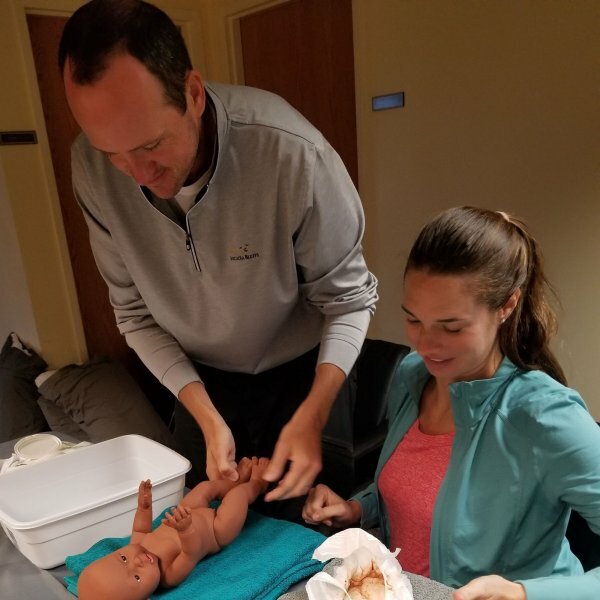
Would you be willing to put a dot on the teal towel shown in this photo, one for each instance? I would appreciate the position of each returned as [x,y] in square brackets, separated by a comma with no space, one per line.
[266,559]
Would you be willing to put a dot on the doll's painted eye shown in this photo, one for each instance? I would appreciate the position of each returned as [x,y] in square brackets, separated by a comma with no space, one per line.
[123,558]
[137,578]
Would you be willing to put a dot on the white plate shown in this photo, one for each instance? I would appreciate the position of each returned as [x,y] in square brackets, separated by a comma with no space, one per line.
[36,446]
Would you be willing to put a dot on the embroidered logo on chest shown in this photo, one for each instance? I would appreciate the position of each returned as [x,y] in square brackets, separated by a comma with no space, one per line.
[243,252]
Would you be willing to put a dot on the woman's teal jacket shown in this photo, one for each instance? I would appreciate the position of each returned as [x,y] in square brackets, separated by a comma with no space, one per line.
[526,451]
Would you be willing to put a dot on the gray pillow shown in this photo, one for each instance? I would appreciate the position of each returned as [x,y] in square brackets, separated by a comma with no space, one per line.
[102,399]
[19,413]
[59,421]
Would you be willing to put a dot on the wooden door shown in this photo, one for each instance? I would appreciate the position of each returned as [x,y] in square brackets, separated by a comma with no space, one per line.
[101,334]
[303,50]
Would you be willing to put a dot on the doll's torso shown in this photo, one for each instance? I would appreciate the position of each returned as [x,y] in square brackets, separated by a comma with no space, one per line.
[165,543]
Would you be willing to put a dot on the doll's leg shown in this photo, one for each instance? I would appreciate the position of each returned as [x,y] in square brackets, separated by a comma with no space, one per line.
[231,513]
[207,491]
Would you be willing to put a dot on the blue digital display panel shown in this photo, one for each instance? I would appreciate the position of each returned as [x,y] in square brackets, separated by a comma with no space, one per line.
[388,101]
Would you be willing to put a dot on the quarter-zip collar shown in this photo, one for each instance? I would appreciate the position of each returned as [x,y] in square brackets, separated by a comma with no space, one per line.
[472,400]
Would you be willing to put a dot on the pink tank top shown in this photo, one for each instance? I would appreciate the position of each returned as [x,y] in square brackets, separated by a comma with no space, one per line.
[409,483]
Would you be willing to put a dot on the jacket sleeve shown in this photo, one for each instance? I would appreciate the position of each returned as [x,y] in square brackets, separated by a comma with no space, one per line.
[579,587]
[333,274]
[569,454]
[367,499]
[158,350]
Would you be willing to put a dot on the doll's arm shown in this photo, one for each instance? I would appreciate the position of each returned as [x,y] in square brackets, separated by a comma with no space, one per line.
[142,522]
[193,545]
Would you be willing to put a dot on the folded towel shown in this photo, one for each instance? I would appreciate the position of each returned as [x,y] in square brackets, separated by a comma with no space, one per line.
[266,559]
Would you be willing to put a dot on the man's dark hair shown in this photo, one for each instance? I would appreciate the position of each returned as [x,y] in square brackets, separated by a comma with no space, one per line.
[102,28]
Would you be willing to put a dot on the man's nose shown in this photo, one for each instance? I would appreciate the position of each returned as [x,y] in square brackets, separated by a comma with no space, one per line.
[140,169]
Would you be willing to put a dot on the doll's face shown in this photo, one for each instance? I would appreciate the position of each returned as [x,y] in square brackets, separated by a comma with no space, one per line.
[129,573]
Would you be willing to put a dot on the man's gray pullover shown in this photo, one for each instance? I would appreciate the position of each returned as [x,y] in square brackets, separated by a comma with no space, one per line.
[270,264]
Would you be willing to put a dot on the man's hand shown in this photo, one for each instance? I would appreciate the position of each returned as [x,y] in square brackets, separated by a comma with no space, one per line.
[300,444]
[220,453]
[220,445]
[325,506]
[490,587]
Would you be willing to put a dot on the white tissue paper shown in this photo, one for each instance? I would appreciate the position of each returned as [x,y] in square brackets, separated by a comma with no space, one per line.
[369,570]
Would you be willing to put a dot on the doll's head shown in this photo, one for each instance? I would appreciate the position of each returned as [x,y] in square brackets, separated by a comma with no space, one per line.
[130,573]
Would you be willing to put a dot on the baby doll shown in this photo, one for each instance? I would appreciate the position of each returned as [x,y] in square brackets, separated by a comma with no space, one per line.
[165,557]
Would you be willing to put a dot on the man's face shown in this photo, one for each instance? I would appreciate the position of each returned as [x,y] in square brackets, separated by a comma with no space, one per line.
[125,115]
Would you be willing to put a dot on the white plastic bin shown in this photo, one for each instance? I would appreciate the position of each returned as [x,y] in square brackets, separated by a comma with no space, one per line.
[63,505]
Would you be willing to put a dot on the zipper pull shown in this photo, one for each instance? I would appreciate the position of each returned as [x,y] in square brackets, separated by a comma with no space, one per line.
[189,246]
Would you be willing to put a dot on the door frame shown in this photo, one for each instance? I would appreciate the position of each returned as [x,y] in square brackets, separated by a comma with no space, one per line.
[223,44]
[31,193]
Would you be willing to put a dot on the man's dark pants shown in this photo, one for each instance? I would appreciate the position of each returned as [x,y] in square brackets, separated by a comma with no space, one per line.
[255,407]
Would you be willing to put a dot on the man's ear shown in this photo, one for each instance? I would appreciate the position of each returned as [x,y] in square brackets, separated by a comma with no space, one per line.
[195,89]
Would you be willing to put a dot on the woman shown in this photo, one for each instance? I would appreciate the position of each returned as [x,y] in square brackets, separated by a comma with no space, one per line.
[487,449]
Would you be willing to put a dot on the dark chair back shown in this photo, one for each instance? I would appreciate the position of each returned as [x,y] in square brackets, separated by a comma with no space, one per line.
[584,543]
[356,428]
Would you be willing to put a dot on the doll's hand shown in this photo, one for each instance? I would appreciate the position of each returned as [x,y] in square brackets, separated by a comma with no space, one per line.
[145,495]
[490,587]
[180,518]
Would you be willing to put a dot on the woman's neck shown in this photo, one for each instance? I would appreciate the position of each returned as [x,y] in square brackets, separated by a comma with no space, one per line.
[435,409]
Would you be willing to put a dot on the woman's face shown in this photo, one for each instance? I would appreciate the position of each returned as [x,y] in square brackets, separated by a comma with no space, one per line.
[456,335]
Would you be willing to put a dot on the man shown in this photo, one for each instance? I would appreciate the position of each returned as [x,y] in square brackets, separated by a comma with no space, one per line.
[229,234]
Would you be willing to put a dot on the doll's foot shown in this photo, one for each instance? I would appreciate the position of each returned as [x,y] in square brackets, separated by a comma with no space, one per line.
[244,470]
[259,466]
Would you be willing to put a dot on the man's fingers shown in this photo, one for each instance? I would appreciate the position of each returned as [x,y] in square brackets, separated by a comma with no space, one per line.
[229,471]
[220,464]
[277,465]
[296,482]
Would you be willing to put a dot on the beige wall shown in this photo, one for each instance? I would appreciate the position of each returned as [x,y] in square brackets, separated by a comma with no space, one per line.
[15,304]
[501,111]
[47,318]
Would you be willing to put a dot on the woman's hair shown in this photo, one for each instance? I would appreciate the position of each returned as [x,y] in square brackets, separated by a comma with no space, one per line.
[102,28]
[501,254]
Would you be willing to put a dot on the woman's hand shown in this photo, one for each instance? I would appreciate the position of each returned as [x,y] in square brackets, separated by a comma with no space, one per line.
[490,587]
[325,506]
